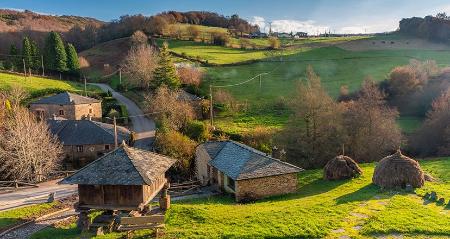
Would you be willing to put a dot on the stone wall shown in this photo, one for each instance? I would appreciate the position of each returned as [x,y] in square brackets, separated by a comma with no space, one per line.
[201,165]
[75,160]
[71,112]
[268,186]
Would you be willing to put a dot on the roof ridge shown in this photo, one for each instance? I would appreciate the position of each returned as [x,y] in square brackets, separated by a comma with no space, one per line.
[95,123]
[125,149]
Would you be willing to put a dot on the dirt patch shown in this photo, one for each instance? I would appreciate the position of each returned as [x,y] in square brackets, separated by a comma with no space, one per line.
[397,44]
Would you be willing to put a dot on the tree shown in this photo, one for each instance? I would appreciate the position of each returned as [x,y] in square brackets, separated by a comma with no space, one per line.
[220,38]
[35,52]
[372,131]
[314,133]
[140,64]
[156,25]
[274,43]
[28,151]
[172,112]
[190,75]
[138,38]
[166,73]
[433,138]
[27,53]
[73,65]
[55,54]
[193,31]
[14,63]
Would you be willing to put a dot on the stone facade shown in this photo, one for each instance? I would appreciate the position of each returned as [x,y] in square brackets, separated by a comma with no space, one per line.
[203,170]
[70,112]
[257,188]
[77,156]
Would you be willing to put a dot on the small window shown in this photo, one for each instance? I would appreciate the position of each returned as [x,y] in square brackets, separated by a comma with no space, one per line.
[90,111]
[231,184]
[61,112]
[106,146]
[80,148]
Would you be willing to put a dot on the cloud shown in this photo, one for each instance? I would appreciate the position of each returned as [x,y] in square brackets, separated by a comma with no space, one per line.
[386,26]
[288,26]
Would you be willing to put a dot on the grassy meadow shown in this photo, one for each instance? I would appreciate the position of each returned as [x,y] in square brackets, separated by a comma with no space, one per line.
[321,209]
[14,216]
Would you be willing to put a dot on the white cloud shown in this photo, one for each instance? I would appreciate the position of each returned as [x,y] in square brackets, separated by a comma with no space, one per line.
[288,26]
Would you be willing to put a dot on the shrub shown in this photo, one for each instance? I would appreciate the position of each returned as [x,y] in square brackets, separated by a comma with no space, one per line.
[274,43]
[197,130]
[220,39]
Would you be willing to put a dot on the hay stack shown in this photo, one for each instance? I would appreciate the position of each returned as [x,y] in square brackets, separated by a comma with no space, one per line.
[398,171]
[341,167]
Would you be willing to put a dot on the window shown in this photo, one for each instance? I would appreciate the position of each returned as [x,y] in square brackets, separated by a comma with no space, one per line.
[231,184]
[90,111]
[61,112]
[106,146]
[79,148]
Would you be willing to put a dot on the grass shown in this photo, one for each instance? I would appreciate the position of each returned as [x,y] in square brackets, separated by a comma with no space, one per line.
[13,216]
[34,84]
[318,208]
[409,124]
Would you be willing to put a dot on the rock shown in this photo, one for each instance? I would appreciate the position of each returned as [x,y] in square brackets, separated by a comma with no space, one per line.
[409,188]
[51,197]
[433,196]
[441,201]
[427,195]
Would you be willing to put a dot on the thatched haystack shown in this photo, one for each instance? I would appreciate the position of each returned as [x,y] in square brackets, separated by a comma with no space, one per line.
[341,167]
[398,171]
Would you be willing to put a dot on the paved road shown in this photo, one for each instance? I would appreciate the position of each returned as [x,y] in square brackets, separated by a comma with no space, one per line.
[142,125]
[37,195]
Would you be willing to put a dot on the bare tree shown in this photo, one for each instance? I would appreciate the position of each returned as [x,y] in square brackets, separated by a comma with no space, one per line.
[171,111]
[193,31]
[190,75]
[138,39]
[371,125]
[140,64]
[28,151]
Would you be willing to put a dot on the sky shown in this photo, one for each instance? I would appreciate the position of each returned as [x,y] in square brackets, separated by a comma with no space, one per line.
[312,16]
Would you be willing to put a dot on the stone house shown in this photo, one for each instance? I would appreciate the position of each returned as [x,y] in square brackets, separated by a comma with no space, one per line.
[67,105]
[85,140]
[247,173]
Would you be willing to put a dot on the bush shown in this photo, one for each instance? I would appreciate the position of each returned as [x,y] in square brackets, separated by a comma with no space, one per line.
[220,39]
[197,131]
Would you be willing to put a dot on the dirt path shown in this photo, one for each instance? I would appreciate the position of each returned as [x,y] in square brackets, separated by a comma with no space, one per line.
[27,230]
[37,195]
[142,125]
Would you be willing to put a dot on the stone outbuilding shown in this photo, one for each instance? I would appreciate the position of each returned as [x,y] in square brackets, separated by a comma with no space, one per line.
[247,173]
[85,140]
[67,105]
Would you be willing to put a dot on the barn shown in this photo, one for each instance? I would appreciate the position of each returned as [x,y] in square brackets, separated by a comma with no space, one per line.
[247,173]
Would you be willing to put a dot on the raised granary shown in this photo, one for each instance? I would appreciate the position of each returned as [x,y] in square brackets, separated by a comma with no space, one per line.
[247,173]
[85,140]
[124,179]
[398,171]
[67,105]
[341,167]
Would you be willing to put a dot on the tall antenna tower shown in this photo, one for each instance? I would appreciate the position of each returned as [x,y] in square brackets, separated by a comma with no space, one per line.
[270,28]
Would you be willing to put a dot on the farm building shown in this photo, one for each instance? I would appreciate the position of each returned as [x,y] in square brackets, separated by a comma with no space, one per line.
[85,140]
[67,105]
[244,171]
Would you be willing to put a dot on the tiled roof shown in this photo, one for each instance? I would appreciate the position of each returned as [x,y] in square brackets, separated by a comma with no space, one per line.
[123,166]
[239,161]
[86,132]
[66,98]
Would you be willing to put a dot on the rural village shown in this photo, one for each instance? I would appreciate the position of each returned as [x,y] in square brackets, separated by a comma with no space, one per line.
[193,124]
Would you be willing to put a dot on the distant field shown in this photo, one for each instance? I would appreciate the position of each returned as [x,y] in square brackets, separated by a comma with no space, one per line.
[321,209]
[37,84]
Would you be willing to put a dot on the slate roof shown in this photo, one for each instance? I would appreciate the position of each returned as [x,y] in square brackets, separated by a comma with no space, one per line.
[123,166]
[66,98]
[239,161]
[86,132]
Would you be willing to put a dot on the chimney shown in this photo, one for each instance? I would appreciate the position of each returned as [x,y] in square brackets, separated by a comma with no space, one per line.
[89,117]
[54,116]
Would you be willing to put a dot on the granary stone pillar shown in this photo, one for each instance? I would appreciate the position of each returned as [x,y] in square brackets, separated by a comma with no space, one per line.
[83,220]
[164,201]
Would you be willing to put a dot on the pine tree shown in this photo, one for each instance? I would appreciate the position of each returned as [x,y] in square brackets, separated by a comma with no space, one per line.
[27,54]
[14,59]
[166,73]
[35,52]
[73,65]
[55,53]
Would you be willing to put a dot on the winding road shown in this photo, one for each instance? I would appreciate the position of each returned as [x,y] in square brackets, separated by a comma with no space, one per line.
[143,126]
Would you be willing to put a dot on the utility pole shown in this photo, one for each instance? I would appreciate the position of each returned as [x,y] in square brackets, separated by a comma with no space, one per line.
[42,64]
[85,87]
[120,76]
[24,69]
[211,110]
[116,144]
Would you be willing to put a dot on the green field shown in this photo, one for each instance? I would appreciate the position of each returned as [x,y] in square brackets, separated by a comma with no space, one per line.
[321,209]
[37,85]
[11,217]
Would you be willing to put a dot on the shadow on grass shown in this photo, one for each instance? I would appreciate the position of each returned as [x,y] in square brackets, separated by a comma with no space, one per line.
[7,222]
[57,233]
[365,193]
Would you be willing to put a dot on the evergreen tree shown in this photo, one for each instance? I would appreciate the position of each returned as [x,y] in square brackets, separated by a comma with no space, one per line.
[35,52]
[73,65]
[55,53]
[27,54]
[166,73]
[14,59]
